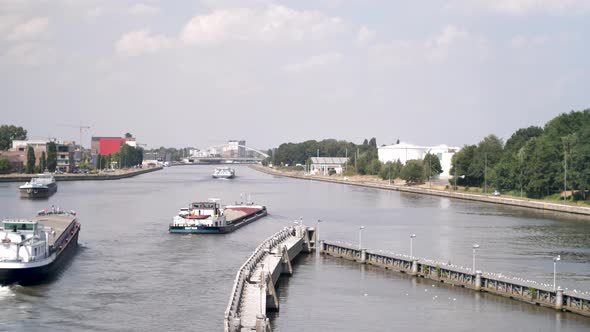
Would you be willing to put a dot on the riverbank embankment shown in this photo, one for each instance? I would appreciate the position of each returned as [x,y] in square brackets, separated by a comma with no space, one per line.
[116,175]
[533,204]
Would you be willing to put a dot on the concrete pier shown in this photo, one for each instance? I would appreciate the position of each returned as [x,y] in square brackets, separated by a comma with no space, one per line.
[83,177]
[493,283]
[253,292]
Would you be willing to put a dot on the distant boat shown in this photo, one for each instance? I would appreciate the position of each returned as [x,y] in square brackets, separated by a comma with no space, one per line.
[43,185]
[223,173]
[210,218]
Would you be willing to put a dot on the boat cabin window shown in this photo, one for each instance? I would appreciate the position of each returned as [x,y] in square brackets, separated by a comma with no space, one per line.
[204,206]
[14,226]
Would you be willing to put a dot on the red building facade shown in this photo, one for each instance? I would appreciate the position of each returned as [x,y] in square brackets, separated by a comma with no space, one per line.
[109,146]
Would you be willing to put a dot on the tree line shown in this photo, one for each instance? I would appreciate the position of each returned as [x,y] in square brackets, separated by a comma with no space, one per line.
[363,159]
[127,156]
[535,161]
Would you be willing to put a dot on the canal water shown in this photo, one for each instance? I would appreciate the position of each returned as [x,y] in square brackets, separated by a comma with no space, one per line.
[131,275]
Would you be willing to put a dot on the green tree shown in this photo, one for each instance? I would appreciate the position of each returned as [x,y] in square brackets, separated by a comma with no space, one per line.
[413,172]
[508,173]
[543,171]
[9,134]
[42,162]
[374,167]
[519,139]
[487,155]
[5,166]
[461,162]
[580,162]
[51,156]
[432,166]
[30,168]
[373,142]
[391,170]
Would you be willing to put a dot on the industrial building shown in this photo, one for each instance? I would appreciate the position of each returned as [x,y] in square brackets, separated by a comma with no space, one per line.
[327,165]
[404,152]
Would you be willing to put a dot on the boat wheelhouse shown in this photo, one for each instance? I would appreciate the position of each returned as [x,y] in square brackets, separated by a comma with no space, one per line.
[223,173]
[33,249]
[42,185]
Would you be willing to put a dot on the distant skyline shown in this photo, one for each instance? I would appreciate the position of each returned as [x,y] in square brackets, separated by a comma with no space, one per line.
[198,73]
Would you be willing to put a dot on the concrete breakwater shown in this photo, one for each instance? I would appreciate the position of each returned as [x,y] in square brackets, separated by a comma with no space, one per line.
[540,205]
[254,291]
[514,288]
[84,177]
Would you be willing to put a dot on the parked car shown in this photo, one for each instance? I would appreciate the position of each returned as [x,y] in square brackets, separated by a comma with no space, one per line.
[496,193]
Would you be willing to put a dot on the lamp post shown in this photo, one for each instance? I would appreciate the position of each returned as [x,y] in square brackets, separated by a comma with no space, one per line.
[475,247]
[555,260]
[361,237]
[485,174]
[412,236]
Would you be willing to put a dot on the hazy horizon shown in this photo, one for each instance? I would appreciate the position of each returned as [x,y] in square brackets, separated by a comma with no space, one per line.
[198,73]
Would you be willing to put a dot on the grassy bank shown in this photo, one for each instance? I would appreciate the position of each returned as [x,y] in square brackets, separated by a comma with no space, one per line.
[435,190]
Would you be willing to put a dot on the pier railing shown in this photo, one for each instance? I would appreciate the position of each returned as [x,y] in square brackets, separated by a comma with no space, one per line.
[246,271]
[495,283]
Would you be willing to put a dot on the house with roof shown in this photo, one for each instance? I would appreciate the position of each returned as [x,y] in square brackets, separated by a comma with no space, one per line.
[327,165]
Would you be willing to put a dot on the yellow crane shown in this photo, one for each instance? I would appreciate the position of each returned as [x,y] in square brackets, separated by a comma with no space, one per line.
[81,127]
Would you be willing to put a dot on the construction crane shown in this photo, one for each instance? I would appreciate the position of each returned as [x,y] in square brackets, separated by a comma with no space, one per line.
[81,127]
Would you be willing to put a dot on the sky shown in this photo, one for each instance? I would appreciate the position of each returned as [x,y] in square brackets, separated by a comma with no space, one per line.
[198,73]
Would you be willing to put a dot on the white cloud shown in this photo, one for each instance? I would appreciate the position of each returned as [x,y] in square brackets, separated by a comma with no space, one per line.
[29,54]
[142,9]
[522,41]
[438,48]
[365,36]
[32,29]
[525,7]
[269,24]
[95,12]
[140,42]
[313,62]
[450,43]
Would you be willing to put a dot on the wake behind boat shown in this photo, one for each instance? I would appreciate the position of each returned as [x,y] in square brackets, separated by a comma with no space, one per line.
[223,173]
[210,218]
[33,250]
[43,185]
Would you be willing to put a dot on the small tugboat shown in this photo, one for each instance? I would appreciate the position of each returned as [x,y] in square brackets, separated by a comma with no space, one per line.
[43,185]
[223,173]
[33,250]
[209,218]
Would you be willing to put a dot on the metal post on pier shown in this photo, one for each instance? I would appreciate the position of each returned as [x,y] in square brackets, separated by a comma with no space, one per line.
[414,266]
[559,298]
[363,256]
[412,236]
[475,246]
[361,237]
[555,260]
[478,280]
[317,234]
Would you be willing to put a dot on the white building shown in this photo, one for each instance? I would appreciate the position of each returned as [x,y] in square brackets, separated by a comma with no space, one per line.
[323,165]
[404,152]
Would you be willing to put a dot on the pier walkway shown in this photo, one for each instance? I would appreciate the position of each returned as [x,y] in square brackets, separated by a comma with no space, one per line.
[254,290]
[514,288]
